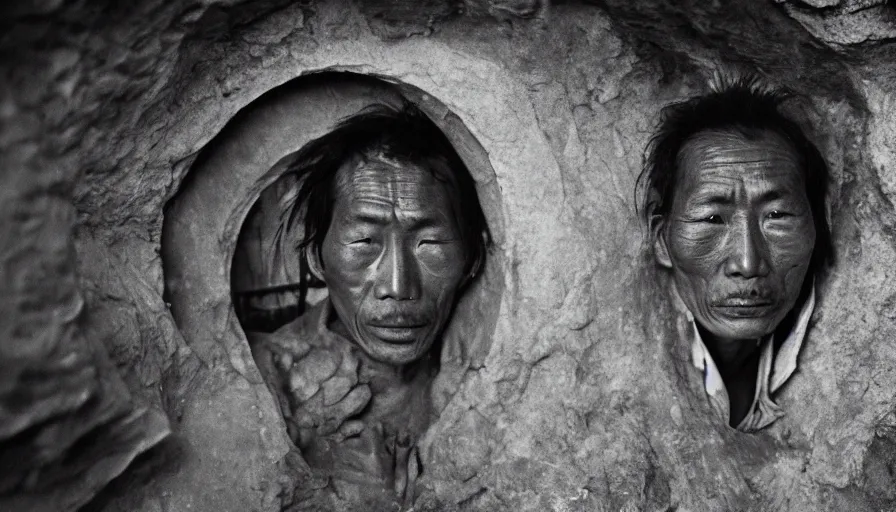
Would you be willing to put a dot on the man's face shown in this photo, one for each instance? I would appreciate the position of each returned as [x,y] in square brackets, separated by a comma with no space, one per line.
[393,258]
[740,232]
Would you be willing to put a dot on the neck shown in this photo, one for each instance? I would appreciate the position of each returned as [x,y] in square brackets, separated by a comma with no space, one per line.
[729,354]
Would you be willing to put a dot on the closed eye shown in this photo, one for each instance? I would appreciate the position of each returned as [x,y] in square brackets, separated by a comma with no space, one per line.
[433,242]
[361,241]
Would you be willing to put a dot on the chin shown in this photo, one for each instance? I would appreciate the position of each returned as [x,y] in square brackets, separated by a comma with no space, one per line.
[393,354]
[744,329]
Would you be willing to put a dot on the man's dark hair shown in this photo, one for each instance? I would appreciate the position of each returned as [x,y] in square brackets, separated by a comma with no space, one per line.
[746,106]
[404,134]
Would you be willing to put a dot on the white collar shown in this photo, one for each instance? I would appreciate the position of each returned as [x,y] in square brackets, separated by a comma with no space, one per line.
[774,368]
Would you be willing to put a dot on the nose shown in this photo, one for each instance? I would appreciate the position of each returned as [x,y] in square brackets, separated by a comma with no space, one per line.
[747,251]
[398,275]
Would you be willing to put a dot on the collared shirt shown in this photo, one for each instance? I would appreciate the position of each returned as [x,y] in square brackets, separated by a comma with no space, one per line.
[775,367]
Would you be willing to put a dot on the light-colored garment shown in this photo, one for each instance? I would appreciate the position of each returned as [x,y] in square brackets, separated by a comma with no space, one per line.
[775,367]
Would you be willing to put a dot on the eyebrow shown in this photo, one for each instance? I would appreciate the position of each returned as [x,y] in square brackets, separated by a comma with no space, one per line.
[416,223]
[370,218]
[712,197]
[771,195]
[421,223]
[720,198]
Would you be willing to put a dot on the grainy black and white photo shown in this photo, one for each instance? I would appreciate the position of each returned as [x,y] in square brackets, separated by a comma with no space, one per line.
[448,256]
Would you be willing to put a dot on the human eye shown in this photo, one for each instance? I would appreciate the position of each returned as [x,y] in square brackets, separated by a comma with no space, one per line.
[436,248]
[433,241]
[361,239]
[362,247]
[703,212]
[778,214]
[704,217]
[435,238]
[713,218]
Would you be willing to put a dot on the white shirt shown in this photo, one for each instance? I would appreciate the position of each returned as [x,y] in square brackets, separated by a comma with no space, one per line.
[774,369]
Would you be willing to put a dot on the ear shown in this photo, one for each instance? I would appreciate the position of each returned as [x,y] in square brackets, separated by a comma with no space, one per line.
[660,247]
[315,265]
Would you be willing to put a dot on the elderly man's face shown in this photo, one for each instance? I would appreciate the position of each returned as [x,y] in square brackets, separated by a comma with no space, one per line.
[740,232]
[393,258]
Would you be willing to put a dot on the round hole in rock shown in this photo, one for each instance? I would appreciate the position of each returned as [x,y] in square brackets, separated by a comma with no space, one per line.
[227,271]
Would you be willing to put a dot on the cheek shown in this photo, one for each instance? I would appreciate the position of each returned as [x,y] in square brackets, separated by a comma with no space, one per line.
[791,253]
[443,261]
[348,267]
[792,248]
[441,268]
[695,248]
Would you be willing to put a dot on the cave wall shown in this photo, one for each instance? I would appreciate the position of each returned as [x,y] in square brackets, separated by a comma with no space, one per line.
[581,400]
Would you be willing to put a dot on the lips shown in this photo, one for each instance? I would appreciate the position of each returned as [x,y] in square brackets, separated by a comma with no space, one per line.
[744,307]
[400,333]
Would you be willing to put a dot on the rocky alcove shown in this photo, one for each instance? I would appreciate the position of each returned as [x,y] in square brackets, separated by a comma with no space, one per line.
[136,139]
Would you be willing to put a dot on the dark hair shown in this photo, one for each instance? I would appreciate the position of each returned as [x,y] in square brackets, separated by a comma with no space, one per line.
[404,134]
[746,106]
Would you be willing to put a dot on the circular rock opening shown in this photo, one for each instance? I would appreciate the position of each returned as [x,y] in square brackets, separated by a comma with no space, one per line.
[232,266]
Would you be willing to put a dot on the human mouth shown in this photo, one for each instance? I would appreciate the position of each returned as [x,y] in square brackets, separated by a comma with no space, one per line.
[744,307]
[397,331]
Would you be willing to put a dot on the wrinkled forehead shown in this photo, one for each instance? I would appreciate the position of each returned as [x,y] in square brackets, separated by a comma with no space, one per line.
[729,157]
[376,179]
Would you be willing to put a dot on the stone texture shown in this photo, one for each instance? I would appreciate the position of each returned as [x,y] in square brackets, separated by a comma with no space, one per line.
[844,23]
[562,387]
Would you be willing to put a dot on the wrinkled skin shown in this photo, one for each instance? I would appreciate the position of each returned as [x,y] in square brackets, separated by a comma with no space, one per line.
[324,388]
[392,259]
[739,235]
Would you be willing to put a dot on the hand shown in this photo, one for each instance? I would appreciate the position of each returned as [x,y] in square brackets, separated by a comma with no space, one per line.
[323,393]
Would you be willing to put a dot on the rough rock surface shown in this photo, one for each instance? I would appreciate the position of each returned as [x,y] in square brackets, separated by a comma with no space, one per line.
[845,22]
[572,394]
